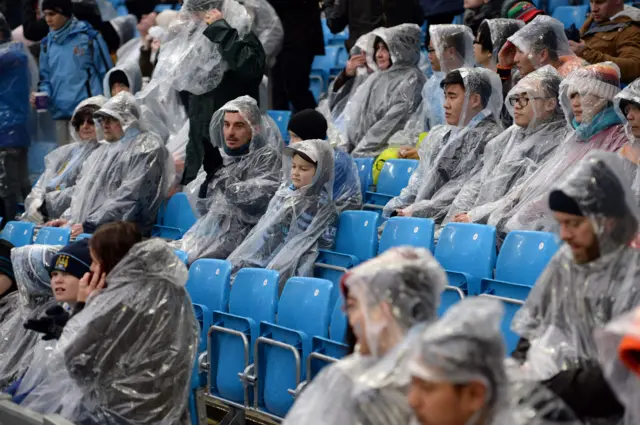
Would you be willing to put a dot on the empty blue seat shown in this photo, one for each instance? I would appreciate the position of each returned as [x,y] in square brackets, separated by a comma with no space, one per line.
[512,296]
[394,177]
[253,299]
[571,15]
[175,219]
[282,121]
[340,37]
[323,65]
[82,236]
[183,256]
[19,233]
[411,231]
[553,4]
[327,350]
[468,253]
[365,168]
[209,283]
[304,311]
[53,236]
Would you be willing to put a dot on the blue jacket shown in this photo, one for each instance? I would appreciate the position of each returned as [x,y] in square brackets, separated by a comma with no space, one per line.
[14,95]
[73,63]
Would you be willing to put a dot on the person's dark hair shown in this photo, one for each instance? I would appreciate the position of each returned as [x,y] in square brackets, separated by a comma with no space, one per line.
[482,86]
[625,103]
[546,40]
[83,114]
[484,37]
[118,76]
[306,158]
[112,241]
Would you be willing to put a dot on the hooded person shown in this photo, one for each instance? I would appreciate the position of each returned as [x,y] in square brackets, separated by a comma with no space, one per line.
[30,265]
[589,281]
[301,217]
[119,331]
[388,299]
[126,179]
[311,124]
[619,354]
[452,153]
[586,97]
[126,77]
[510,158]
[233,198]
[450,48]
[542,43]
[51,195]
[627,105]
[384,102]
[266,26]
[8,288]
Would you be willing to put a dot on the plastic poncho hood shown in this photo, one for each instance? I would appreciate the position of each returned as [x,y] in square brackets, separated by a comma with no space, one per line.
[124,108]
[456,37]
[266,26]
[134,77]
[501,29]
[571,300]
[298,221]
[544,32]
[141,325]
[630,94]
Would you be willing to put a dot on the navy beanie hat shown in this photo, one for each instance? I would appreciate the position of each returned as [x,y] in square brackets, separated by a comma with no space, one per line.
[309,124]
[74,259]
[6,267]
[63,7]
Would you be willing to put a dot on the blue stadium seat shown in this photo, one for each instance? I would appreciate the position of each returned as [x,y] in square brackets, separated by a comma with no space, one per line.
[82,236]
[411,231]
[342,58]
[282,121]
[326,31]
[340,37]
[365,167]
[315,86]
[328,350]
[569,15]
[175,219]
[209,283]
[356,241]
[468,253]
[183,256]
[324,64]
[53,236]
[162,7]
[553,4]
[19,233]
[394,177]
[304,311]
[122,10]
[253,299]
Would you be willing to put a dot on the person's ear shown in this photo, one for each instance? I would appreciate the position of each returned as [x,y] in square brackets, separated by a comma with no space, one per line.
[475,395]
[544,57]
[475,101]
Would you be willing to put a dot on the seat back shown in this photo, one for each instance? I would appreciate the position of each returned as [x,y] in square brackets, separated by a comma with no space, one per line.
[208,283]
[357,234]
[553,4]
[82,236]
[342,58]
[327,61]
[282,121]
[468,248]
[571,15]
[255,294]
[53,236]
[178,213]
[365,166]
[183,256]
[19,233]
[524,255]
[305,305]
[411,231]
[338,327]
[395,176]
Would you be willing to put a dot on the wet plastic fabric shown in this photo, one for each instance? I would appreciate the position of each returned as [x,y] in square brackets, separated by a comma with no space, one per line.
[125,27]
[162,110]
[433,101]
[132,71]
[517,152]
[570,301]
[501,29]
[55,186]
[239,193]
[631,93]
[465,346]
[382,105]
[123,180]
[624,381]
[373,389]
[458,152]
[127,357]
[631,150]
[458,37]
[266,26]
[30,264]
[297,222]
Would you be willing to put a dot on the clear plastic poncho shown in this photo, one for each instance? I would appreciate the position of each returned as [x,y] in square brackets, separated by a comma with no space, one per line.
[132,71]
[570,301]
[127,357]
[162,111]
[30,264]
[125,27]
[631,150]
[452,154]
[618,344]
[395,291]
[239,193]
[123,180]
[383,103]
[525,207]
[501,29]
[297,222]
[517,152]
[55,186]
[453,45]
[266,26]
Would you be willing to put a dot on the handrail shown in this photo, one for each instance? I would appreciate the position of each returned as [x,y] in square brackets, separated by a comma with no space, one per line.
[269,341]
[505,299]
[331,267]
[245,342]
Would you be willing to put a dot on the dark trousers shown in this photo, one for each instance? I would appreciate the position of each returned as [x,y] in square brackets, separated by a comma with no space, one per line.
[14,181]
[290,81]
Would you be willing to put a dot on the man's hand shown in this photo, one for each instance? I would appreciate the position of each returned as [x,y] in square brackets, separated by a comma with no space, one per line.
[76,229]
[354,63]
[56,223]
[212,16]
[578,48]
[91,283]
[406,212]
[408,153]
[506,56]
[32,99]
[461,218]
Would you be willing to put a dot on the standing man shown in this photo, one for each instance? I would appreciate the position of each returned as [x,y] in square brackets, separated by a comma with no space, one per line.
[303,40]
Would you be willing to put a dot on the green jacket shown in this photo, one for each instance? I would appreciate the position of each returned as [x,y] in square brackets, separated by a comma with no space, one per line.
[246,62]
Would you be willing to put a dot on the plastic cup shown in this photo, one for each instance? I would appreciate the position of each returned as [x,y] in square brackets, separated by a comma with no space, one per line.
[42,102]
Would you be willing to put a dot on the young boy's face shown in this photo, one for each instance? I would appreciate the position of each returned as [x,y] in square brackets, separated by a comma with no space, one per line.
[64,286]
[302,172]
[54,20]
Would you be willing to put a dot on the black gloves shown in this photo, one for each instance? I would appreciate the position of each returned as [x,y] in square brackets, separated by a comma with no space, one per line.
[51,325]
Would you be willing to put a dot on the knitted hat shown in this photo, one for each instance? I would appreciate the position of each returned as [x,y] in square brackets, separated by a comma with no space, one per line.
[560,202]
[118,76]
[5,259]
[74,259]
[63,7]
[308,124]
[601,79]
[523,10]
